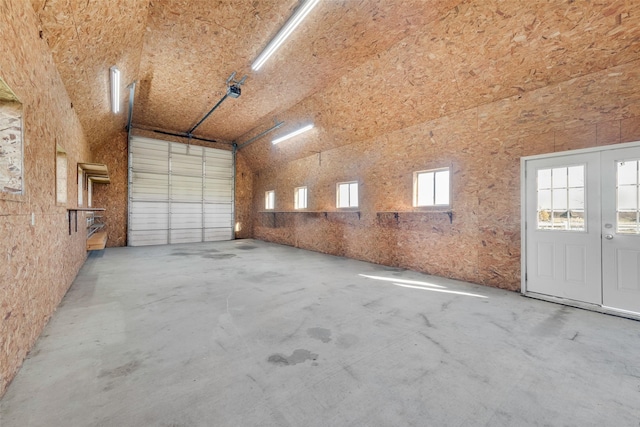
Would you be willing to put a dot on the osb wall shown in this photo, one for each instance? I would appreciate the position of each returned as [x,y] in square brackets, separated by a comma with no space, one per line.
[243,198]
[482,146]
[113,196]
[479,52]
[38,261]
[487,83]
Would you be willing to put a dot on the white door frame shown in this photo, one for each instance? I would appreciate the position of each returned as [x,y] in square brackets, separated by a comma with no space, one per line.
[523,234]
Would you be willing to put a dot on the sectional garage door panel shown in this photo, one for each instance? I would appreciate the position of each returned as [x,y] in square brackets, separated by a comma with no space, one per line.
[150,156]
[216,215]
[150,186]
[186,188]
[189,236]
[179,193]
[146,238]
[215,234]
[218,190]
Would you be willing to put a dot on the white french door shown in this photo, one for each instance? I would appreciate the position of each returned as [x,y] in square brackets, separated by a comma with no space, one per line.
[621,229]
[582,227]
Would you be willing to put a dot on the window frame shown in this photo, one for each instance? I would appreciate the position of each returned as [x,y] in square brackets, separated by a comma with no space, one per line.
[270,200]
[9,100]
[566,189]
[416,189]
[62,181]
[357,197]
[296,198]
[80,186]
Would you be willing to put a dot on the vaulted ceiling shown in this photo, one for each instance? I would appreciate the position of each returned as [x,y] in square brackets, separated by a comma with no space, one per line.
[355,67]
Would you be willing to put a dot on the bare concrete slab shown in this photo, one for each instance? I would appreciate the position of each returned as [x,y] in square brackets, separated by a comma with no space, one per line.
[247,333]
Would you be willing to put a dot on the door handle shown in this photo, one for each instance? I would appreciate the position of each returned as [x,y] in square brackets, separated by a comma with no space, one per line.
[608,236]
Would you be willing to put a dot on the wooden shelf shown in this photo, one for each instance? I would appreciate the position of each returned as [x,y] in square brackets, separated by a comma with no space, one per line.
[97,241]
[326,213]
[96,172]
[396,214]
[76,210]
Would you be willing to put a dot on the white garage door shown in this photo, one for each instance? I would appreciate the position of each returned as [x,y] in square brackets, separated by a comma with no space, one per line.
[179,193]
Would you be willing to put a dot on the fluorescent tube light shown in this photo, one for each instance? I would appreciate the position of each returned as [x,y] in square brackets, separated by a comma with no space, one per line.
[292,134]
[115,89]
[284,32]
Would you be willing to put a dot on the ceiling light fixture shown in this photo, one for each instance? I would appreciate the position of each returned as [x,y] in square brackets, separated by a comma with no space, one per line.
[115,89]
[291,24]
[292,134]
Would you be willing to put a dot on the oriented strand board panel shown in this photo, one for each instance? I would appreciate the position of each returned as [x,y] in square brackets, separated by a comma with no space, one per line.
[204,42]
[478,53]
[39,257]
[113,196]
[482,147]
[86,38]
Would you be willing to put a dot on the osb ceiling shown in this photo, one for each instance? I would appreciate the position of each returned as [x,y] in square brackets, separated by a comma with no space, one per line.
[354,67]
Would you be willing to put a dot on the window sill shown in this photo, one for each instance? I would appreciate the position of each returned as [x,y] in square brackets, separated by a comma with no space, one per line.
[10,197]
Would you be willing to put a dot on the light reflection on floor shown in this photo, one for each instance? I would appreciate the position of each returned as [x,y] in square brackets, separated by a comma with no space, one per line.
[425,286]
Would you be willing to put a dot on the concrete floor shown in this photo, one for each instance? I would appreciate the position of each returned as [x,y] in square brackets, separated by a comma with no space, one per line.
[247,333]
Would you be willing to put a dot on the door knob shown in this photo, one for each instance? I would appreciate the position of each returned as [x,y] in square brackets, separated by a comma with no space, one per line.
[608,236]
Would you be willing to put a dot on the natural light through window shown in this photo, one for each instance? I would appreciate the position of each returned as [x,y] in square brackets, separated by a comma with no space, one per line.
[347,195]
[431,188]
[561,198]
[300,198]
[424,286]
[61,176]
[628,197]
[270,200]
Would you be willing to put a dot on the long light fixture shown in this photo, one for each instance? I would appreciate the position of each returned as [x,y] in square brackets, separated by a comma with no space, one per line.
[284,32]
[292,134]
[115,89]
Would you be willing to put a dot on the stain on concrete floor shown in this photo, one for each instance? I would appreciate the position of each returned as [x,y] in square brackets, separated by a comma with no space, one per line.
[298,356]
[321,334]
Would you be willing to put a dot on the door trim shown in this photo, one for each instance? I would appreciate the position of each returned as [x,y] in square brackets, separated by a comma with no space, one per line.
[583,305]
[524,225]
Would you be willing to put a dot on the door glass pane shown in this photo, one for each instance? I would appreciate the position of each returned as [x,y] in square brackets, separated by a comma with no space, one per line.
[559,177]
[576,198]
[544,200]
[628,223]
[561,198]
[544,179]
[576,176]
[628,197]
[628,172]
[559,201]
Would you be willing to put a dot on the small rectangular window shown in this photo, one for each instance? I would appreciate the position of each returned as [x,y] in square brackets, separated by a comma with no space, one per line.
[11,144]
[347,195]
[270,200]
[300,198]
[80,185]
[431,188]
[61,176]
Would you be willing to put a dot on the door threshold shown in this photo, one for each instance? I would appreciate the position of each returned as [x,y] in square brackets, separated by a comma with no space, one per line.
[585,306]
